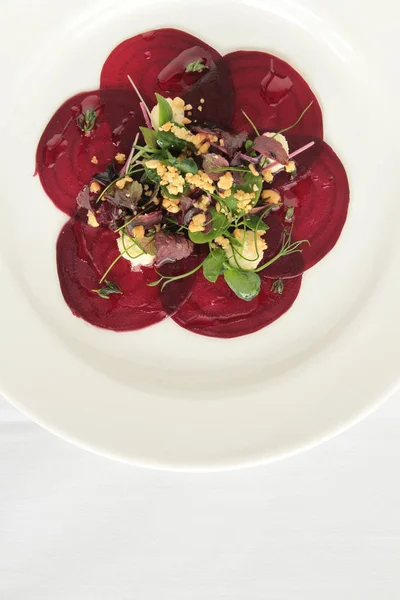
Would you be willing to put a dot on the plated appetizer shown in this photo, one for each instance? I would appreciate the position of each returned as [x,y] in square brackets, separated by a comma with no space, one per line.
[198,187]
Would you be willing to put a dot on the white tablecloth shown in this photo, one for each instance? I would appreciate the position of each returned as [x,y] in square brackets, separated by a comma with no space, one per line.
[324,525]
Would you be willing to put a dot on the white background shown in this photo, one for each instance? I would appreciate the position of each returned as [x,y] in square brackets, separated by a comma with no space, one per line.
[323,525]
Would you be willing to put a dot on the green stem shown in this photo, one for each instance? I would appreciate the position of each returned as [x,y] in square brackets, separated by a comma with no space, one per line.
[251,123]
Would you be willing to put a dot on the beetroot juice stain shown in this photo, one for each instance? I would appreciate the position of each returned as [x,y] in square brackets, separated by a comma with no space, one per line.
[53,149]
[275,87]
[147,55]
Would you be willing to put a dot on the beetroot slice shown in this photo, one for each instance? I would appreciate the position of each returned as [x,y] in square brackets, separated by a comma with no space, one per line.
[272,94]
[64,153]
[320,195]
[214,310]
[156,61]
[83,255]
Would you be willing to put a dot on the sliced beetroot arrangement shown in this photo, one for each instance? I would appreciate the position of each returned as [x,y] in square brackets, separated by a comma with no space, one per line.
[320,196]
[173,63]
[65,150]
[83,255]
[213,309]
[221,273]
[272,94]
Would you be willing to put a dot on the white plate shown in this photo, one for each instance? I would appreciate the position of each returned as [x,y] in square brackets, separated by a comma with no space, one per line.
[163,397]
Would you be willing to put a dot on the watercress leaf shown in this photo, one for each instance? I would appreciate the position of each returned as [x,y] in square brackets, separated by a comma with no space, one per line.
[245,284]
[214,264]
[150,136]
[219,225]
[165,110]
[166,140]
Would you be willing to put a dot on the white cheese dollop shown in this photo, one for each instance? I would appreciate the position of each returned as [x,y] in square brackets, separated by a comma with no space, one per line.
[136,256]
[249,254]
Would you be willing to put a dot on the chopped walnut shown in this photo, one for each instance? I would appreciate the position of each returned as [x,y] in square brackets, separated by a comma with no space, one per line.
[226,181]
[95,187]
[271,196]
[120,158]
[94,160]
[121,182]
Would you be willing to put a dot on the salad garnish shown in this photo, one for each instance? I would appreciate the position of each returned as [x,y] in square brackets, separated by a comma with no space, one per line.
[185,187]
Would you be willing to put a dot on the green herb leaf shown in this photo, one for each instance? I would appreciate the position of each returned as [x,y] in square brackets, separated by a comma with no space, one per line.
[108,289]
[245,284]
[186,165]
[254,223]
[165,110]
[248,144]
[278,286]
[166,140]
[289,213]
[87,121]
[213,264]
[219,225]
[196,67]
[150,136]
[249,181]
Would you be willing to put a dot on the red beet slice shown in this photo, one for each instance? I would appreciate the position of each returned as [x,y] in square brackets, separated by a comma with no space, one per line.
[64,153]
[272,94]
[156,61]
[215,311]
[83,255]
[320,195]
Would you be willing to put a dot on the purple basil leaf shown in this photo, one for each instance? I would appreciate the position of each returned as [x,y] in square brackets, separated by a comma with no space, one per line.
[129,196]
[238,178]
[251,159]
[233,141]
[171,247]
[236,160]
[190,214]
[212,162]
[83,198]
[186,203]
[208,223]
[109,215]
[271,148]
[148,220]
